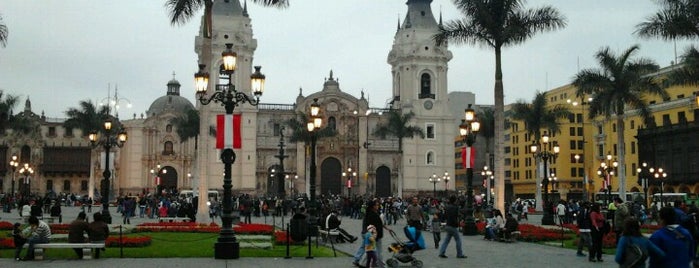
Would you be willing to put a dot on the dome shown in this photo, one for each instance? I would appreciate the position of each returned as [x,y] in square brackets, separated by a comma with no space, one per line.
[167,103]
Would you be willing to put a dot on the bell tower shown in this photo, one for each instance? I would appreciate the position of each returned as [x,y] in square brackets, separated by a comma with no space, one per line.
[419,72]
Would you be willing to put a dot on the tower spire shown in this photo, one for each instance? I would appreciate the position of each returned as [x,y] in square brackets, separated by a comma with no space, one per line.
[245,8]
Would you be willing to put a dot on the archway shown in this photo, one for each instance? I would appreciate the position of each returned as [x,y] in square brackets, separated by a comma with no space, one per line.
[383,181]
[330,176]
[168,179]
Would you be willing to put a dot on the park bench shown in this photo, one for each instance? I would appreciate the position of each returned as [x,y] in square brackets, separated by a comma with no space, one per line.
[329,236]
[173,219]
[87,248]
[512,237]
[49,219]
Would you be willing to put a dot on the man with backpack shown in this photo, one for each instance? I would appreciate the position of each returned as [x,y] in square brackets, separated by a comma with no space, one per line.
[622,213]
[674,240]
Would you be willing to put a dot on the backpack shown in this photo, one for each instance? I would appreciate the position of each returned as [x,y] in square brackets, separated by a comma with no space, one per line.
[633,255]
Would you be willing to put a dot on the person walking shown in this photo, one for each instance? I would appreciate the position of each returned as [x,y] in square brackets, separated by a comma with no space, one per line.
[672,239]
[561,211]
[370,246]
[585,228]
[597,221]
[632,236]
[414,214]
[451,213]
[436,229]
[372,217]
[76,232]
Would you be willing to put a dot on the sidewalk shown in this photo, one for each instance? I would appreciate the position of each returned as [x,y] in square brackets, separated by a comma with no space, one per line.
[480,253]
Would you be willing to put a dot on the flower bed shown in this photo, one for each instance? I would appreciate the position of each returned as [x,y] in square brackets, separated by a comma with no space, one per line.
[4,225]
[535,233]
[192,227]
[280,238]
[129,242]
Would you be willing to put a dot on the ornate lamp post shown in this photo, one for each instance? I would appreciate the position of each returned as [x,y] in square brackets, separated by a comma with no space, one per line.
[292,179]
[468,129]
[26,170]
[349,174]
[313,126]
[660,175]
[434,180]
[606,170]
[446,179]
[107,141]
[486,173]
[157,179]
[227,246]
[581,133]
[13,165]
[546,152]
[643,176]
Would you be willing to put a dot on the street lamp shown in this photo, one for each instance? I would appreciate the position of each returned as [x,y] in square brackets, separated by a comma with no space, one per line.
[349,175]
[606,170]
[446,179]
[644,174]
[108,140]
[313,126]
[468,129]
[26,170]
[13,165]
[434,180]
[486,173]
[292,179]
[545,152]
[660,175]
[158,180]
[227,246]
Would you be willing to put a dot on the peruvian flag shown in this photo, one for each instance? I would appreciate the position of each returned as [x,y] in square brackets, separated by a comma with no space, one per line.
[349,183]
[157,180]
[228,131]
[606,182]
[468,159]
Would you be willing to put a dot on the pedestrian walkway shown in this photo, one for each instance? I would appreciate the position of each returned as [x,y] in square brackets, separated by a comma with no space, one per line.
[480,253]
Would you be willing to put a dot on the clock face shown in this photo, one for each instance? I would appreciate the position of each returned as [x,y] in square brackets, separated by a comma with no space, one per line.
[428,104]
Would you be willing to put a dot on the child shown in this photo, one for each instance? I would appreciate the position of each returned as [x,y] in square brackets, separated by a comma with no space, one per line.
[370,246]
[436,229]
[19,239]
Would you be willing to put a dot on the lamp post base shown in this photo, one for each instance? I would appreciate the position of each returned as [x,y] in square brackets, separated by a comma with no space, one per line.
[547,219]
[106,217]
[470,226]
[226,250]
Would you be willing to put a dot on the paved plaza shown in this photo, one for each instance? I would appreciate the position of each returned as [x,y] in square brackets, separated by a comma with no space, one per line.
[480,253]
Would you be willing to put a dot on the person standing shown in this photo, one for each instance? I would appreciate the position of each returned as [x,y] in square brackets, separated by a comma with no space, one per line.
[414,215]
[370,246]
[632,236]
[372,218]
[451,213]
[98,232]
[19,238]
[561,211]
[76,232]
[436,229]
[672,239]
[56,211]
[622,213]
[585,227]
[597,222]
[40,234]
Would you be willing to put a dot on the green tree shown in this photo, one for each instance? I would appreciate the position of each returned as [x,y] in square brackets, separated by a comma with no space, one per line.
[88,117]
[7,104]
[3,33]
[497,24]
[619,84]
[676,19]
[486,116]
[299,129]
[398,126]
[536,116]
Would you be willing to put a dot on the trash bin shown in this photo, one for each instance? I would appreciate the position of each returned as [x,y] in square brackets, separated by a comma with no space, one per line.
[298,229]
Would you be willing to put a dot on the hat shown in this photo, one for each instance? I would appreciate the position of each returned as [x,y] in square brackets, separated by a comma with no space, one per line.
[370,227]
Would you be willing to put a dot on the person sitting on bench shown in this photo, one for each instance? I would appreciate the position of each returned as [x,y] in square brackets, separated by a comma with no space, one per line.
[76,232]
[511,225]
[332,223]
[41,233]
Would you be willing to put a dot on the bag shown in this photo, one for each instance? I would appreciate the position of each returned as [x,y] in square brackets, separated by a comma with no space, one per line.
[633,255]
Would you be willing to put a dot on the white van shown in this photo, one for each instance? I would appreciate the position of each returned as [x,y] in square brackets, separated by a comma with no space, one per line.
[189,194]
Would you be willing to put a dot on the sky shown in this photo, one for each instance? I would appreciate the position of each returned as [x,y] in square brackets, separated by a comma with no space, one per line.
[62,52]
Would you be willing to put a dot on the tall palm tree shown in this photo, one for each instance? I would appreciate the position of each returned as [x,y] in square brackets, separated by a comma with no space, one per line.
[3,33]
[87,117]
[7,104]
[537,116]
[398,126]
[187,125]
[299,130]
[676,19]
[486,116]
[620,82]
[497,24]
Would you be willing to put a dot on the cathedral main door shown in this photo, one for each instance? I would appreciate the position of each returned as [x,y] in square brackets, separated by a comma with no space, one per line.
[383,181]
[330,177]
[168,178]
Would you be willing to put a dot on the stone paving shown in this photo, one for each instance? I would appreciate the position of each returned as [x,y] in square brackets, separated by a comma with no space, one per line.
[480,252]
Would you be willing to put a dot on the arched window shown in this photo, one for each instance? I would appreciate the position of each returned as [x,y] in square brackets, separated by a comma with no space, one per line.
[83,185]
[426,86]
[429,158]
[168,128]
[331,123]
[66,186]
[167,148]
[49,185]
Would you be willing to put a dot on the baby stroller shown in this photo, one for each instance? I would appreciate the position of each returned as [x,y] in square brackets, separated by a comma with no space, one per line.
[403,250]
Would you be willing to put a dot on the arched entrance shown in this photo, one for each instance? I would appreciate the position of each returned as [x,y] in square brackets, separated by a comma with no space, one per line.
[383,181]
[330,176]
[272,180]
[168,178]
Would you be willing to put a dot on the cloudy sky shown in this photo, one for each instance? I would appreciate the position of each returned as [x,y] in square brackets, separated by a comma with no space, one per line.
[61,52]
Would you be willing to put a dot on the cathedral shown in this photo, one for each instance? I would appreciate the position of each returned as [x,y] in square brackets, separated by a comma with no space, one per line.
[352,161]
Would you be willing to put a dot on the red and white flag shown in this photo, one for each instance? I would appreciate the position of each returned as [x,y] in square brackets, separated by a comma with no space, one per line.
[606,181]
[349,183]
[228,131]
[468,159]
[157,180]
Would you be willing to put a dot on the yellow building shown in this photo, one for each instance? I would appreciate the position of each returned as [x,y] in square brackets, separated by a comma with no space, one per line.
[592,140]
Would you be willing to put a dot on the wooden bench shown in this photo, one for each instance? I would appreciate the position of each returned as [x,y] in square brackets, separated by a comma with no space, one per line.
[87,248]
[332,236]
[173,219]
[50,219]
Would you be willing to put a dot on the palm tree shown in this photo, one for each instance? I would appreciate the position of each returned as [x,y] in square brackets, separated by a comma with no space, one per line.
[676,19]
[618,84]
[398,126]
[6,105]
[486,116]
[187,125]
[498,24]
[88,117]
[536,116]
[299,130]
[3,33]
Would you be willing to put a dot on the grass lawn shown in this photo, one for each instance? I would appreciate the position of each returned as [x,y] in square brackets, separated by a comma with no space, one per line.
[184,245]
